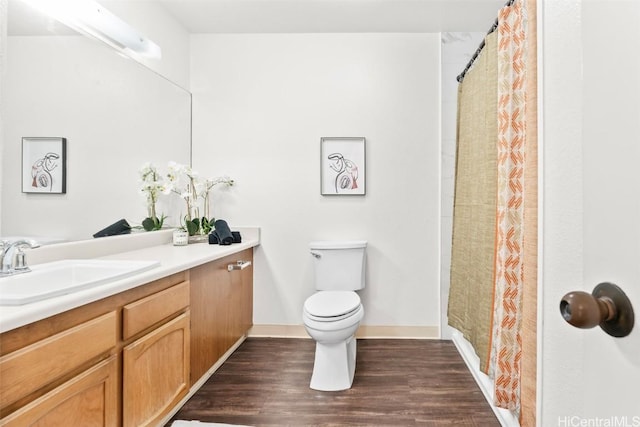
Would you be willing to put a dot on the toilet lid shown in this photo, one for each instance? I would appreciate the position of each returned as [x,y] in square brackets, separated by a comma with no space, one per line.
[332,303]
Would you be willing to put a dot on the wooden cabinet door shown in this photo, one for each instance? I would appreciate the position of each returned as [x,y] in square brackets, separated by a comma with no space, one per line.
[156,373]
[90,400]
[241,301]
[221,310]
[210,290]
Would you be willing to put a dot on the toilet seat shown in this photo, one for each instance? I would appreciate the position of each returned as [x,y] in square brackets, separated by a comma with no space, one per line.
[331,306]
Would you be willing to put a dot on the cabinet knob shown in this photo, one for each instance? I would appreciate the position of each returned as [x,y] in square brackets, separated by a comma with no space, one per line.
[607,306]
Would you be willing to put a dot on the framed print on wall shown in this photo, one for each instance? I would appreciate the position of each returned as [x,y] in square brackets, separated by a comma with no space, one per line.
[44,165]
[342,166]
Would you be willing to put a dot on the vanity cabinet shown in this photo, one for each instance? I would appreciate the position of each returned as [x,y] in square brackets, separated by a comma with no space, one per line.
[69,367]
[128,359]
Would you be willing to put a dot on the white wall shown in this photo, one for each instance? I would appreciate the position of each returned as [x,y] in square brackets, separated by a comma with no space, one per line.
[457,50]
[261,103]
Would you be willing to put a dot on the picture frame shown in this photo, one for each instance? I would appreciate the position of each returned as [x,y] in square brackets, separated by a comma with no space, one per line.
[44,165]
[342,166]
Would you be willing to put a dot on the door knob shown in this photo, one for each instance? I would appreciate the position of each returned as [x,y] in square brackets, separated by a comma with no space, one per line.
[607,306]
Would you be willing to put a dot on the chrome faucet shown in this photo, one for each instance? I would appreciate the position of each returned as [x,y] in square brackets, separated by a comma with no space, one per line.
[12,262]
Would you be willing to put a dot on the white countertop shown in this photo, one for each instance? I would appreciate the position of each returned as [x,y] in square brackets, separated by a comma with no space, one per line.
[173,259]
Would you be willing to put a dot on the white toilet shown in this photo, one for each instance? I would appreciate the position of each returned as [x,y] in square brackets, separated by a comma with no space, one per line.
[332,315]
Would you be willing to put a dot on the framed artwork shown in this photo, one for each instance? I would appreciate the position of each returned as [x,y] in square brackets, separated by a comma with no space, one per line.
[44,165]
[342,166]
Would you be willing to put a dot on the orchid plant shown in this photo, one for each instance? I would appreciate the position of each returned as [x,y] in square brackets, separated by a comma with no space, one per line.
[195,191]
[151,186]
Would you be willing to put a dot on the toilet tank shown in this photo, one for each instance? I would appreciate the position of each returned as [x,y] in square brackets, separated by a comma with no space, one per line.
[339,265]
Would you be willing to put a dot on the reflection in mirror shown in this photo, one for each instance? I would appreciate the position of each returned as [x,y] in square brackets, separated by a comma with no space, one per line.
[114,113]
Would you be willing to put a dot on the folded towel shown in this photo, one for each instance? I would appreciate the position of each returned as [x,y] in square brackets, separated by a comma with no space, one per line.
[224,233]
[118,227]
[214,239]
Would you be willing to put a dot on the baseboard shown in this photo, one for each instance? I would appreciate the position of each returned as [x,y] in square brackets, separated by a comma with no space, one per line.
[364,331]
[278,331]
[399,332]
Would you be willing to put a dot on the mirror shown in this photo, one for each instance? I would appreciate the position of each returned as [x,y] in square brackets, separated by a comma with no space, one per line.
[115,114]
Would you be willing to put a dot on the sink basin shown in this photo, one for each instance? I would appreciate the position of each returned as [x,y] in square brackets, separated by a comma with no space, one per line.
[64,277]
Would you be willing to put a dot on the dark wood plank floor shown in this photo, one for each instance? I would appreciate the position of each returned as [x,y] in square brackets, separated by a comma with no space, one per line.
[397,383]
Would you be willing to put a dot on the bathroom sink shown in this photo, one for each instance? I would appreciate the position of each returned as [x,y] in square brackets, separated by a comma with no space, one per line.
[64,277]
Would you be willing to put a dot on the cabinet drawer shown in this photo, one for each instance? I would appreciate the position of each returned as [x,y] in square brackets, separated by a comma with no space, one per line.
[89,399]
[33,367]
[140,315]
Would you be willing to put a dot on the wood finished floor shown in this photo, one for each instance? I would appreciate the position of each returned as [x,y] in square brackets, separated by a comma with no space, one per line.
[397,383]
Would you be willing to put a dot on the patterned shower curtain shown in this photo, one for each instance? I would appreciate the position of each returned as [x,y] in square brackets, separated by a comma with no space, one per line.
[507,319]
[485,299]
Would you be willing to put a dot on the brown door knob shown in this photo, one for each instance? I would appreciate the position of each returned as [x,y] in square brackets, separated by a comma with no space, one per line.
[583,310]
[607,306]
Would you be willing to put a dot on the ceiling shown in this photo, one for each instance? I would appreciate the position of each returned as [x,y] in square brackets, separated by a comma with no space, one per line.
[333,16]
[302,16]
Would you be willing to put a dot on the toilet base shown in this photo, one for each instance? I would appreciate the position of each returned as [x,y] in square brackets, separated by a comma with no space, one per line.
[334,365]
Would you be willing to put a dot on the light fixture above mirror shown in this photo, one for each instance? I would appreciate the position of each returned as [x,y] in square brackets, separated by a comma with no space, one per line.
[89,17]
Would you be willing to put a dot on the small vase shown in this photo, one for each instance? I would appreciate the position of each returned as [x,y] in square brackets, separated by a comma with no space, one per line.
[180,238]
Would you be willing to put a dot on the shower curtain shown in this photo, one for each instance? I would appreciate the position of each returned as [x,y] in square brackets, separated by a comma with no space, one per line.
[473,247]
[507,342]
[487,267]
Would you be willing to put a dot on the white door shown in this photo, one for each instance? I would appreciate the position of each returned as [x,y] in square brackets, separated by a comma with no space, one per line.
[591,199]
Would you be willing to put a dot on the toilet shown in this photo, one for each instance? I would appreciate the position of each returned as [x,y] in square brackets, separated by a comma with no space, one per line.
[332,315]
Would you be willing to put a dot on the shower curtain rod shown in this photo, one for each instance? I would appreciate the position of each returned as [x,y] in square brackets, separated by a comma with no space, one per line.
[460,77]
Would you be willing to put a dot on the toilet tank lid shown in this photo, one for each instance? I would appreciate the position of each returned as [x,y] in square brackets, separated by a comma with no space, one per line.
[338,244]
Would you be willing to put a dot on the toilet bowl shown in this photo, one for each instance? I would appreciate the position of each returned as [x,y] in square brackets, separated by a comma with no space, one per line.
[332,315]
[332,318]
